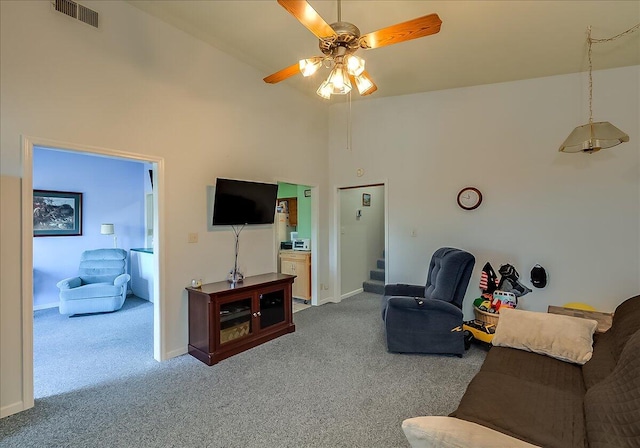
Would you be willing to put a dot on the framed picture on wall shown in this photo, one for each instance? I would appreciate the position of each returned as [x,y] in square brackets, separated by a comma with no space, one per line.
[57,213]
[366,199]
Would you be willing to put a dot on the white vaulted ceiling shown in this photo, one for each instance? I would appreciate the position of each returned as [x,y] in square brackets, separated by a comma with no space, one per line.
[480,42]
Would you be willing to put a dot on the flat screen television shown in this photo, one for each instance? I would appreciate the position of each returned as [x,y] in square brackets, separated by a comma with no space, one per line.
[238,202]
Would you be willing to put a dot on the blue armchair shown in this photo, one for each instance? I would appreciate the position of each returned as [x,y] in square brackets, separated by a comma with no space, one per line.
[428,319]
[101,284]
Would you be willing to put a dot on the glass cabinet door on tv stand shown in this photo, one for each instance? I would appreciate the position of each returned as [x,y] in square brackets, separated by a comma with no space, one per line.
[235,319]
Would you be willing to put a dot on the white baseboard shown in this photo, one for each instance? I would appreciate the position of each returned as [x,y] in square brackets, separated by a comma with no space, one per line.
[352,293]
[176,352]
[11,409]
[327,300]
[45,306]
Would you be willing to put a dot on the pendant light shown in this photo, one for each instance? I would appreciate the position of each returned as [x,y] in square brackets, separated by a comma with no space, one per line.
[594,136]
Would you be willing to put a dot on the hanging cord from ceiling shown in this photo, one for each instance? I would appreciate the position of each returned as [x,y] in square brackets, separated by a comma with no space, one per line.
[591,41]
[349,130]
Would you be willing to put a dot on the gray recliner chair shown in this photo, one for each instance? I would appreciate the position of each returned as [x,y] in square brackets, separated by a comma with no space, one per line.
[428,319]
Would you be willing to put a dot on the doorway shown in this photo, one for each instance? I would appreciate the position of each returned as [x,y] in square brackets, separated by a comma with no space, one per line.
[157,170]
[295,239]
[362,239]
[109,219]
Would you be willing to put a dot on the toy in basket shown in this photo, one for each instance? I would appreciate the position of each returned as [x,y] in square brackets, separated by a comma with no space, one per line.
[487,312]
[478,330]
[488,305]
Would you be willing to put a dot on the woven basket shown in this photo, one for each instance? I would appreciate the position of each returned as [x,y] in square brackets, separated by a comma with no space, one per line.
[235,332]
[487,318]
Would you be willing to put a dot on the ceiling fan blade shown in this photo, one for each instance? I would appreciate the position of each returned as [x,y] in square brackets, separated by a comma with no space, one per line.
[283,74]
[308,16]
[401,32]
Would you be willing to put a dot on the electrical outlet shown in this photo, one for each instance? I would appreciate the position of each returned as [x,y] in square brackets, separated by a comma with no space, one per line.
[192,238]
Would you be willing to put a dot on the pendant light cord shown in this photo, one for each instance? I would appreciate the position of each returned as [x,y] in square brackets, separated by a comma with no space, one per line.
[590,41]
[608,39]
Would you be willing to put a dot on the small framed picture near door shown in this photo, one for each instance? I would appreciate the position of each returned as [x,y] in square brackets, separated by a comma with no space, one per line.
[57,213]
[366,199]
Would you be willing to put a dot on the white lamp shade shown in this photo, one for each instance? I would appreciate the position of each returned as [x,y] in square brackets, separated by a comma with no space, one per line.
[107,229]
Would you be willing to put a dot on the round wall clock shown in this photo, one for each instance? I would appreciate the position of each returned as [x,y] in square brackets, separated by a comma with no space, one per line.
[469,198]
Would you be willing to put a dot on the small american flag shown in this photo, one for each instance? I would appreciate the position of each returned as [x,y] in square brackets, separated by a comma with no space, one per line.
[488,277]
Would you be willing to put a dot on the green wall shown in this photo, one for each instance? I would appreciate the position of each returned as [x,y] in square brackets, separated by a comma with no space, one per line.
[304,213]
[287,190]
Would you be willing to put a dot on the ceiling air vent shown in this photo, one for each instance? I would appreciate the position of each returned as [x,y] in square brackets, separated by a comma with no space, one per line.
[77,11]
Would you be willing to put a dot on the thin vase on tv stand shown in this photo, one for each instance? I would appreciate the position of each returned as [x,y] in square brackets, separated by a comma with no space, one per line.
[235,276]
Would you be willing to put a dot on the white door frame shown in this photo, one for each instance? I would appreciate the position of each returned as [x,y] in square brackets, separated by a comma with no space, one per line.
[159,315]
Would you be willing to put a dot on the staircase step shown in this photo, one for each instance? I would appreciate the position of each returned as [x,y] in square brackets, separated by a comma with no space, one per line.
[380,263]
[377,274]
[374,286]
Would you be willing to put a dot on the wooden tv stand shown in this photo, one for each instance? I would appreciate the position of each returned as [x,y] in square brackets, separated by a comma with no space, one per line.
[226,319]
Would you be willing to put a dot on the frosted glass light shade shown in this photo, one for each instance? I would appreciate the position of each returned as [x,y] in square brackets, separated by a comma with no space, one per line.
[363,83]
[355,65]
[309,66]
[339,81]
[107,229]
[325,90]
[593,137]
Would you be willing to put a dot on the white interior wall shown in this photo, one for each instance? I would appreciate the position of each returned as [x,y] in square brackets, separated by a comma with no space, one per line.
[141,86]
[361,239]
[10,306]
[575,214]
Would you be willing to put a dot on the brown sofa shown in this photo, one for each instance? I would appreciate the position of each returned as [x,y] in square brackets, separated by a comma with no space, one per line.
[551,403]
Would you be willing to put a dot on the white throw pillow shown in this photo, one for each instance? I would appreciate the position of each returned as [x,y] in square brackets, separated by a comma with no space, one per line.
[449,432]
[565,338]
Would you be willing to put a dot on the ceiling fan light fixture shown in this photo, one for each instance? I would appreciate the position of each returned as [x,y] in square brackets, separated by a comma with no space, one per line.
[355,65]
[363,83]
[593,137]
[309,66]
[338,41]
[325,90]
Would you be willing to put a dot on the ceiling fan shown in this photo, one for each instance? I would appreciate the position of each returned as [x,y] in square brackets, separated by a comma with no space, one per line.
[338,43]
